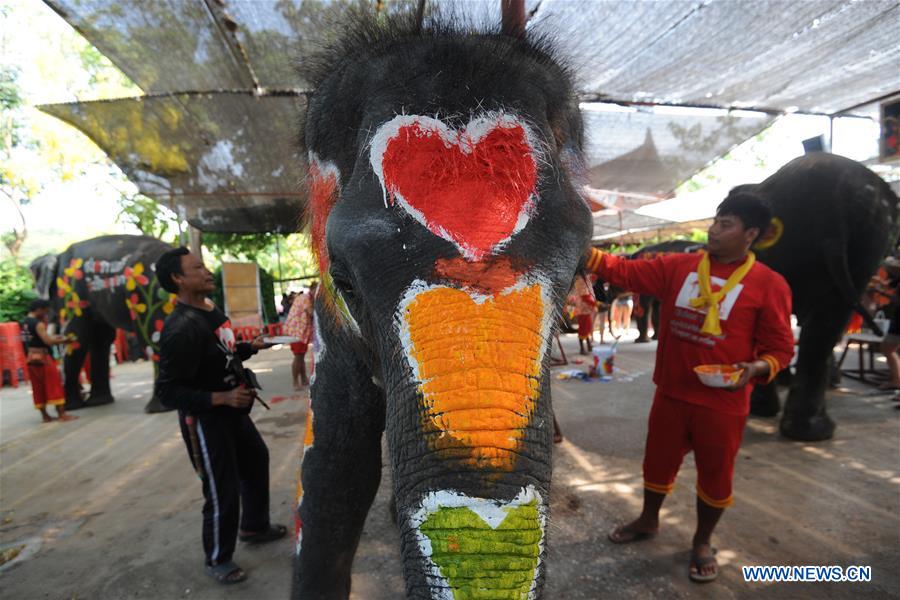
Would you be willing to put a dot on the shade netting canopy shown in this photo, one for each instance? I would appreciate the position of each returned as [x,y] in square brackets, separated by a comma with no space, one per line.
[216,133]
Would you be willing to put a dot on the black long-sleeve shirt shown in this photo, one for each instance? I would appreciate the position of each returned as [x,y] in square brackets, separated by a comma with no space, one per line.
[195,349]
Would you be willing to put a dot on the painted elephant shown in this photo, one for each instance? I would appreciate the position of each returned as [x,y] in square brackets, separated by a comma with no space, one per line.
[448,225]
[833,222]
[96,286]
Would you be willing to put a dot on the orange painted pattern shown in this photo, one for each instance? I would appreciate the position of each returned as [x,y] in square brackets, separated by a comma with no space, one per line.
[479,367]
[308,439]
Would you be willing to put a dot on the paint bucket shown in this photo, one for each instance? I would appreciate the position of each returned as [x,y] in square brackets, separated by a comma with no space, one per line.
[604,357]
[883,323]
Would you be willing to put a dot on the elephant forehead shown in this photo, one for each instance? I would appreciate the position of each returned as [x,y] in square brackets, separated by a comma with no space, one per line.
[476,361]
[474,186]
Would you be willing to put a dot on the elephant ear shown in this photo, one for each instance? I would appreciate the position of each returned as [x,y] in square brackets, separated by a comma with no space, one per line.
[43,269]
[771,236]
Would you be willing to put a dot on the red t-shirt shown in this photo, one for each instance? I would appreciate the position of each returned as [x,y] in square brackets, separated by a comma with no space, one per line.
[754,317]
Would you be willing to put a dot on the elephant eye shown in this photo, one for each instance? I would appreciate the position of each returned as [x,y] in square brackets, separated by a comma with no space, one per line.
[343,283]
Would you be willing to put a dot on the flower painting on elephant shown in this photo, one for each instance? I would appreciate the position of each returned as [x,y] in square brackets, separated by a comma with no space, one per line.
[98,286]
[446,217]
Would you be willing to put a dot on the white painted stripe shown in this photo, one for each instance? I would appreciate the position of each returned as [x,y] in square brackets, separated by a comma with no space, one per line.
[212,490]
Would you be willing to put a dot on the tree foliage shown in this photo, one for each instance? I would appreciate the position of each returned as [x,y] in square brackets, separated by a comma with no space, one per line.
[16,291]
[147,216]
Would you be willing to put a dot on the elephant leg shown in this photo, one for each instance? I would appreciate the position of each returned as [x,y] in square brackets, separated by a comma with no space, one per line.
[101,341]
[805,417]
[340,473]
[154,405]
[74,361]
[764,401]
[785,378]
[834,373]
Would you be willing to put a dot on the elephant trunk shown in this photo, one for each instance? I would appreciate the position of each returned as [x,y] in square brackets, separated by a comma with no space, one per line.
[469,429]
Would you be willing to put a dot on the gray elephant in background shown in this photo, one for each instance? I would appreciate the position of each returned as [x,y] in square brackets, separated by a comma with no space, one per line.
[96,286]
[833,222]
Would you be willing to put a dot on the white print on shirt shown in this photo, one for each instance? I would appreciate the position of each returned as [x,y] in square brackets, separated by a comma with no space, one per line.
[227,343]
[687,321]
[691,289]
[226,337]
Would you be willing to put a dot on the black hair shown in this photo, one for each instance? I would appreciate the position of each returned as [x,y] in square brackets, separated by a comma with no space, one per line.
[170,264]
[749,207]
[38,304]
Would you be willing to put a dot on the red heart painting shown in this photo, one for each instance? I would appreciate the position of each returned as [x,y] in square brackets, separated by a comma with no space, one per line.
[474,187]
[322,179]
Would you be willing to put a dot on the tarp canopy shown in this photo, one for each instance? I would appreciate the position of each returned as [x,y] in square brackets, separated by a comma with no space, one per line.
[226,160]
[216,133]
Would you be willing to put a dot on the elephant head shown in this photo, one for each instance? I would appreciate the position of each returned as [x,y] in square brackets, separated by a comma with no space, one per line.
[448,224]
[43,270]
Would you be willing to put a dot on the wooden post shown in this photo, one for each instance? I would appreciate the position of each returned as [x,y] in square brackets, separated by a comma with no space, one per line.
[513,18]
[196,241]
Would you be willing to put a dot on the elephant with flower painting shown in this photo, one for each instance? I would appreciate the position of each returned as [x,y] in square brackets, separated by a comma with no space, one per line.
[97,286]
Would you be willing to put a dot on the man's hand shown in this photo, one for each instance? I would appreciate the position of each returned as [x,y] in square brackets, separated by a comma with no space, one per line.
[239,397]
[259,344]
[757,368]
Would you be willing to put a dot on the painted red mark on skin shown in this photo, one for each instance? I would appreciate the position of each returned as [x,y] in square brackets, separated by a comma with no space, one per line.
[323,193]
[474,199]
[491,275]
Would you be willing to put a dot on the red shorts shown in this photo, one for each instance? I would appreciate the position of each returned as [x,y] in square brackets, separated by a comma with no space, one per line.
[46,384]
[299,348]
[677,427]
[585,326]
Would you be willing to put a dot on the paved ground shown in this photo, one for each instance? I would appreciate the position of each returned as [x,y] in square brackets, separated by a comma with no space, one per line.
[108,507]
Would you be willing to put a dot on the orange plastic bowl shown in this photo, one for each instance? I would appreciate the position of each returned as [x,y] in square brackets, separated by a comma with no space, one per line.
[718,376]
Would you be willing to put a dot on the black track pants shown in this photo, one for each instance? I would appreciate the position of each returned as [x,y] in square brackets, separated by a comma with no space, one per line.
[235,466]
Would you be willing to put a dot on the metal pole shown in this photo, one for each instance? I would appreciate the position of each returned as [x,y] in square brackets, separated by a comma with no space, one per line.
[831,133]
[278,254]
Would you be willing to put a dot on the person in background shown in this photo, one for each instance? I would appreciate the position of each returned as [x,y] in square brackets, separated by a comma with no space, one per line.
[582,299]
[602,298]
[622,308]
[717,307]
[299,324]
[890,291]
[286,301]
[46,384]
[197,354]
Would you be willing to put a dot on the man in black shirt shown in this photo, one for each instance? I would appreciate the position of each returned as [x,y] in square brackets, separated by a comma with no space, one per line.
[196,376]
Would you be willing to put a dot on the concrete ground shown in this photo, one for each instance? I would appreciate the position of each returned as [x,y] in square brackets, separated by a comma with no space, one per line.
[108,507]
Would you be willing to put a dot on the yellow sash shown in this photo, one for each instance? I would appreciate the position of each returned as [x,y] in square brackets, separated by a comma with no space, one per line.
[711,300]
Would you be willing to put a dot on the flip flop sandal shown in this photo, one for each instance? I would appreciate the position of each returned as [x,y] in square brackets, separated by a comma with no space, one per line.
[224,573]
[275,532]
[698,564]
[618,536]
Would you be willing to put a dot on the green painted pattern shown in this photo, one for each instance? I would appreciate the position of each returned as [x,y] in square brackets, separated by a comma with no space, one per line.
[480,563]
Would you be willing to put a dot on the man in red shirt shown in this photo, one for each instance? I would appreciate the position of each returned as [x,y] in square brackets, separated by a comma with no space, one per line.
[717,307]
